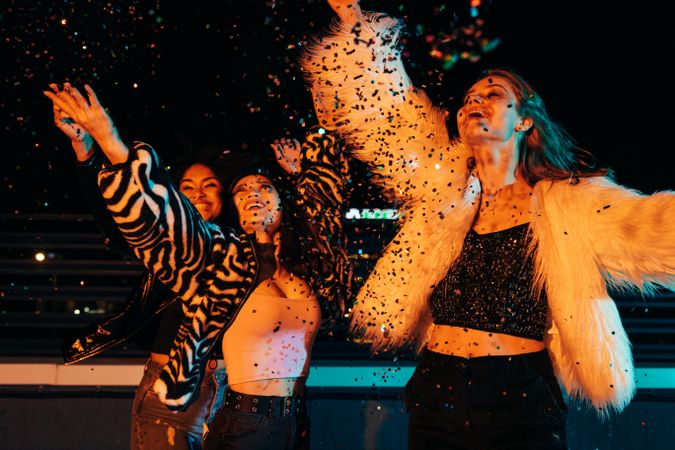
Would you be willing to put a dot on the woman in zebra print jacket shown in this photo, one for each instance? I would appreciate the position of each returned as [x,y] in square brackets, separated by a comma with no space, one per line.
[216,272]
[151,313]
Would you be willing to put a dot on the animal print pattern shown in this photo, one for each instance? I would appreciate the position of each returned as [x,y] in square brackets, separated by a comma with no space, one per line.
[214,270]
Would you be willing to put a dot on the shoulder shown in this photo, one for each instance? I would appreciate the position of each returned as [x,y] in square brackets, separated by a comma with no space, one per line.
[578,186]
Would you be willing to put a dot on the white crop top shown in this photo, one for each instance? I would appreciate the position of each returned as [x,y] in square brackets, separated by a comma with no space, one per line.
[271,338]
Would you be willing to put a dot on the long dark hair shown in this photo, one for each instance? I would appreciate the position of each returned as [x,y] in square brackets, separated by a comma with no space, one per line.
[548,151]
[292,222]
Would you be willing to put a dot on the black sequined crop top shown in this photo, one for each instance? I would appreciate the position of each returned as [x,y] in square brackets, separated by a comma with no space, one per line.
[489,287]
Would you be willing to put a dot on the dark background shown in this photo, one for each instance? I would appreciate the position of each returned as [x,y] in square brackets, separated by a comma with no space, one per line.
[227,71]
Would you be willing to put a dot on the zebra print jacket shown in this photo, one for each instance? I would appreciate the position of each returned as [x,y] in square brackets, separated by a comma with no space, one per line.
[213,270]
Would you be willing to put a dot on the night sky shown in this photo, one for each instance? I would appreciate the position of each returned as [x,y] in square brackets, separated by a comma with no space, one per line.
[226,72]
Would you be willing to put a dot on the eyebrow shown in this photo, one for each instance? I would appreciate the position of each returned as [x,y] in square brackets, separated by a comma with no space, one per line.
[489,86]
[205,179]
[259,179]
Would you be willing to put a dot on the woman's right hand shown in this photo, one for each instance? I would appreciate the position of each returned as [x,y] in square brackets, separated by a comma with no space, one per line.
[81,141]
[87,113]
[288,152]
[92,117]
[349,11]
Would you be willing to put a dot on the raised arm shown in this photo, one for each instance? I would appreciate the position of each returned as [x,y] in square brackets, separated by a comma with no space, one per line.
[89,162]
[165,231]
[321,186]
[361,89]
[92,117]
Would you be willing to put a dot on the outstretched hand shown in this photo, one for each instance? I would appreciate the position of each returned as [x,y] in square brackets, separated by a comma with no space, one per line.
[81,141]
[86,112]
[89,115]
[287,152]
[69,127]
[349,11]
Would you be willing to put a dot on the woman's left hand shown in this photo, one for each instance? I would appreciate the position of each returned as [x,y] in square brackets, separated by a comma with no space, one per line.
[288,153]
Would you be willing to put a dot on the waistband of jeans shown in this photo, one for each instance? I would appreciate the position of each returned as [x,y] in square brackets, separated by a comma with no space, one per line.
[525,363]
[265,405]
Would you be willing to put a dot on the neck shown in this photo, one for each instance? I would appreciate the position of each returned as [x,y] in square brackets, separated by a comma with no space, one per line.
[263,238]
[496,166]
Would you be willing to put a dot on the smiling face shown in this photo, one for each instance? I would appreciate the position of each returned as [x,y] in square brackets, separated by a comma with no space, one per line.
[203,188]
[490,112]
[258,204]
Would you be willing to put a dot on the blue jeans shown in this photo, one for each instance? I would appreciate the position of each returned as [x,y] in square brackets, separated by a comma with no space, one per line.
[231,429]
[155,427]
[493,402]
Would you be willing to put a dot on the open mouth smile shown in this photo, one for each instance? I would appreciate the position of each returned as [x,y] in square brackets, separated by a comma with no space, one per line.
[475,114]
[254,205]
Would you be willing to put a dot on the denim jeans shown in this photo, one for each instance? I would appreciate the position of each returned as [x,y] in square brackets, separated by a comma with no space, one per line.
[237,430]
[155,427]
[494,402]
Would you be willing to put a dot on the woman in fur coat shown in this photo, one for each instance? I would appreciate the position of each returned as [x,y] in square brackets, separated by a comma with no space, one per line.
[509,239]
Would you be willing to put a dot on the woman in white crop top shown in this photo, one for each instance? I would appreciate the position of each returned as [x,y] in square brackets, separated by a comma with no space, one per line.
[267,348]
[223,276]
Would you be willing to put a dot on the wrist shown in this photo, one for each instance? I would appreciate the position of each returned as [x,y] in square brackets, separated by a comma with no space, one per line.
[83,147]
[109,137]
[113,148]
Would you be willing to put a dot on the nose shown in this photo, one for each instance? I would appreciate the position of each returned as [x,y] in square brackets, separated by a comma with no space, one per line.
[198,193]
[474,99]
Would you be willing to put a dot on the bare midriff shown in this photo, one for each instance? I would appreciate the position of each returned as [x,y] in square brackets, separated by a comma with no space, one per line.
[470,343]
[280,387]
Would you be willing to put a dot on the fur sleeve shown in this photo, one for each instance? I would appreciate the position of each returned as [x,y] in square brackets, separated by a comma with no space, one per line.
[633,235]
[591,351]
[391,309]
[361,89]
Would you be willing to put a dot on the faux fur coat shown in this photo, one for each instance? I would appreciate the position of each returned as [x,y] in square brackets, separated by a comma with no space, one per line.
[585,236]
